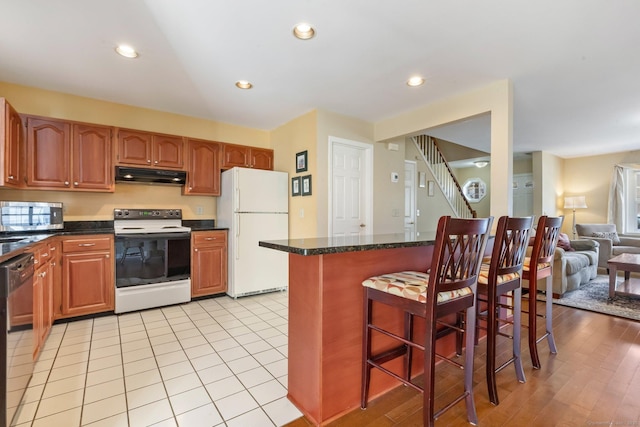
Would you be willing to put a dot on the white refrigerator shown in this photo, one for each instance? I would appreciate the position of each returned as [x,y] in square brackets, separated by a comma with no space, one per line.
[254,206]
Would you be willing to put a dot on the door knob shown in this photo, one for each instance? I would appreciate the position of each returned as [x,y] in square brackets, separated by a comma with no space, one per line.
[362,226]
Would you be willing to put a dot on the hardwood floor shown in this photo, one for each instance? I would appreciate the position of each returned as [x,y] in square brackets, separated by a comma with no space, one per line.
[593,380]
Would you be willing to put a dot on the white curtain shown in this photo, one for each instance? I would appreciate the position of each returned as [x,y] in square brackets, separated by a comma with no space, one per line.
[616,211]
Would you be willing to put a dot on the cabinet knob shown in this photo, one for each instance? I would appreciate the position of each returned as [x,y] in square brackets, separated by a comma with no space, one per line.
[156,162]
[75,183]
[10,177]
[148,160]
[210,238]
[195,250]
[107,255]
[86,244]
[66,183]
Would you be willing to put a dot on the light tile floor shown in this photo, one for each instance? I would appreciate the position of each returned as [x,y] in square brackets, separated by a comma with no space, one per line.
[212,362]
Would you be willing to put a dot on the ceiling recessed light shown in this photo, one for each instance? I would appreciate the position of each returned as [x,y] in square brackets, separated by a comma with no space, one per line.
[304,31]
[126,51]
[481,163]
[243,84]
[415,81]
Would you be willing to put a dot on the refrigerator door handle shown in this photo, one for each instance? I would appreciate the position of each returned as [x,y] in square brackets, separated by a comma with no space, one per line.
[237,242]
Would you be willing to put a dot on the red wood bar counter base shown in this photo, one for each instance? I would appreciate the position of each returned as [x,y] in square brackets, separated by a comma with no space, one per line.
[325,316]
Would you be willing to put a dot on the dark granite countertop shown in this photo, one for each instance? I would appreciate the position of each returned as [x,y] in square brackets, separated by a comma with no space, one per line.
[334,245]
[17,242]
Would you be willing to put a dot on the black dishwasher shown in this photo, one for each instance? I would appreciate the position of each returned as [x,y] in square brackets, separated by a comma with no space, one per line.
[16,327]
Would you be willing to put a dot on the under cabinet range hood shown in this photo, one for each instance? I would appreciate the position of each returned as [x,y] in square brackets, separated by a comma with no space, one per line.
[150,176]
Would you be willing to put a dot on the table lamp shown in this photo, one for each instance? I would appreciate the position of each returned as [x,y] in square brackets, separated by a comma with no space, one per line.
[573,203]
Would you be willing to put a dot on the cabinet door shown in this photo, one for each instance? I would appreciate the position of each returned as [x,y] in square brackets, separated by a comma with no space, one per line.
[168,151]
[204,168]
[134,148]
[48,145]
[46,274]
[37,313]
[10,137]
[92,166]
[87,283]
[209,263]
[261,158]
[234,155]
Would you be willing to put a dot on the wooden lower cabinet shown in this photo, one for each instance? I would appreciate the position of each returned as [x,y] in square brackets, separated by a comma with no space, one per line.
[43,289]
[87,275]
[208,262]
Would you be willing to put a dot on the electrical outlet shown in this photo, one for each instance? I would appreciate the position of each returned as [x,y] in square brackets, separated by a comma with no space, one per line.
[301,213]
[199,210]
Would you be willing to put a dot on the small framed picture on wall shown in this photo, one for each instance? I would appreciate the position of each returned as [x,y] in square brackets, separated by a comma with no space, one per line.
[306,185]
[295,186]
[301,161]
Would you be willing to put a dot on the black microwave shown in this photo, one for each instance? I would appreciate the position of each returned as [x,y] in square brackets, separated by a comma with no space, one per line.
[27,216]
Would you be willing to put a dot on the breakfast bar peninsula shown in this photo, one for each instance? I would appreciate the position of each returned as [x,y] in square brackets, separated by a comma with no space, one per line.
[325,315]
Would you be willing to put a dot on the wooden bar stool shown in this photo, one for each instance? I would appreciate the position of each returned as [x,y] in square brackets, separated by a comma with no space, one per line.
[500,275]
[540,266]
[447,288]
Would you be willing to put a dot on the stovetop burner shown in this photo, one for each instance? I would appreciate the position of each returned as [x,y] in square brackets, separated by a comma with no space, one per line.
[130,221]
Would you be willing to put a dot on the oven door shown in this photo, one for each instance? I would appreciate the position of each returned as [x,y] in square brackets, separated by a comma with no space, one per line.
[143,259]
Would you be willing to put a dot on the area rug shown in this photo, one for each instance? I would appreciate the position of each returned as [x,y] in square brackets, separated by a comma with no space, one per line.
[594,296]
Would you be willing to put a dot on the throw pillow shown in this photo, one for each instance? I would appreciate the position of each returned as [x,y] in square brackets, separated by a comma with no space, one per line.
[563,242]
[613,235]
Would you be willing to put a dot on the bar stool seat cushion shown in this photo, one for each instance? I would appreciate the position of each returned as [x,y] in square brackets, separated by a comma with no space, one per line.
[542,265]
[411,285]
[483,277]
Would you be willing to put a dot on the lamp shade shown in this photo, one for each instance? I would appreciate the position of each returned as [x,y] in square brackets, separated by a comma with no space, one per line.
[575,202]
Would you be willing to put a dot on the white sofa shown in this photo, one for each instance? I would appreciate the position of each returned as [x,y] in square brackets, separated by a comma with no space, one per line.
[606,234]
[573,268]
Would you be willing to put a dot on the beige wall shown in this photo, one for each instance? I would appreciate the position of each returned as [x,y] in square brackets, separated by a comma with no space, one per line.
[28,100]
[483,207]
[99,206]
[431,207]
[345,127]
[296,136]
[87,206]
[495,98]
[591,176]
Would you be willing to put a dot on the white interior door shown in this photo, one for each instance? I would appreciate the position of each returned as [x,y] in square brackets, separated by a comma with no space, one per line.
[350,210]
[410,178]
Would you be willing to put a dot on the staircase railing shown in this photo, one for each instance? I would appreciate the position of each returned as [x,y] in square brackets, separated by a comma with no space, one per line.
[443,175]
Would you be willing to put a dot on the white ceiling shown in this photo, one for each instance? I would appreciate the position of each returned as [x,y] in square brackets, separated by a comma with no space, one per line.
[574,64]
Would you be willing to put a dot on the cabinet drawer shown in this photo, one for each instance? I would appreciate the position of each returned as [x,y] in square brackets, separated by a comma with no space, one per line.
[201,238]
[86,244]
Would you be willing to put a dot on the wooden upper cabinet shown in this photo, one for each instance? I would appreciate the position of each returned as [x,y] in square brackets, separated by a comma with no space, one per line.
[247,157]
[10,143]
[261,158]
[48,153]
[68,155]
[92,166]
[168,151]
[134,148]
[203,168]
[148,149]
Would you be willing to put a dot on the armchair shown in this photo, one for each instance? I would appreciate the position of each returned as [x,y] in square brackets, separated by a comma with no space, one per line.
[611,244]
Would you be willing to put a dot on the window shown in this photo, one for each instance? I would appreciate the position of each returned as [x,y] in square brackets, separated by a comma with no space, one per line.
[632,199]
[474,190]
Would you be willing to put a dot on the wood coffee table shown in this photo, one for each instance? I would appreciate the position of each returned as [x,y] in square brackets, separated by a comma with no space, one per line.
[628,263]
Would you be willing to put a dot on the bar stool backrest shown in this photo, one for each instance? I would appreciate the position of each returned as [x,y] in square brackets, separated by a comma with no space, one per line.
[458,251]
[509,246]
[544,244]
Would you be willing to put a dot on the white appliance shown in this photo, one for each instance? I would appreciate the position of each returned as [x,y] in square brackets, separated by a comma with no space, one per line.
[254,206]
[153,259]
